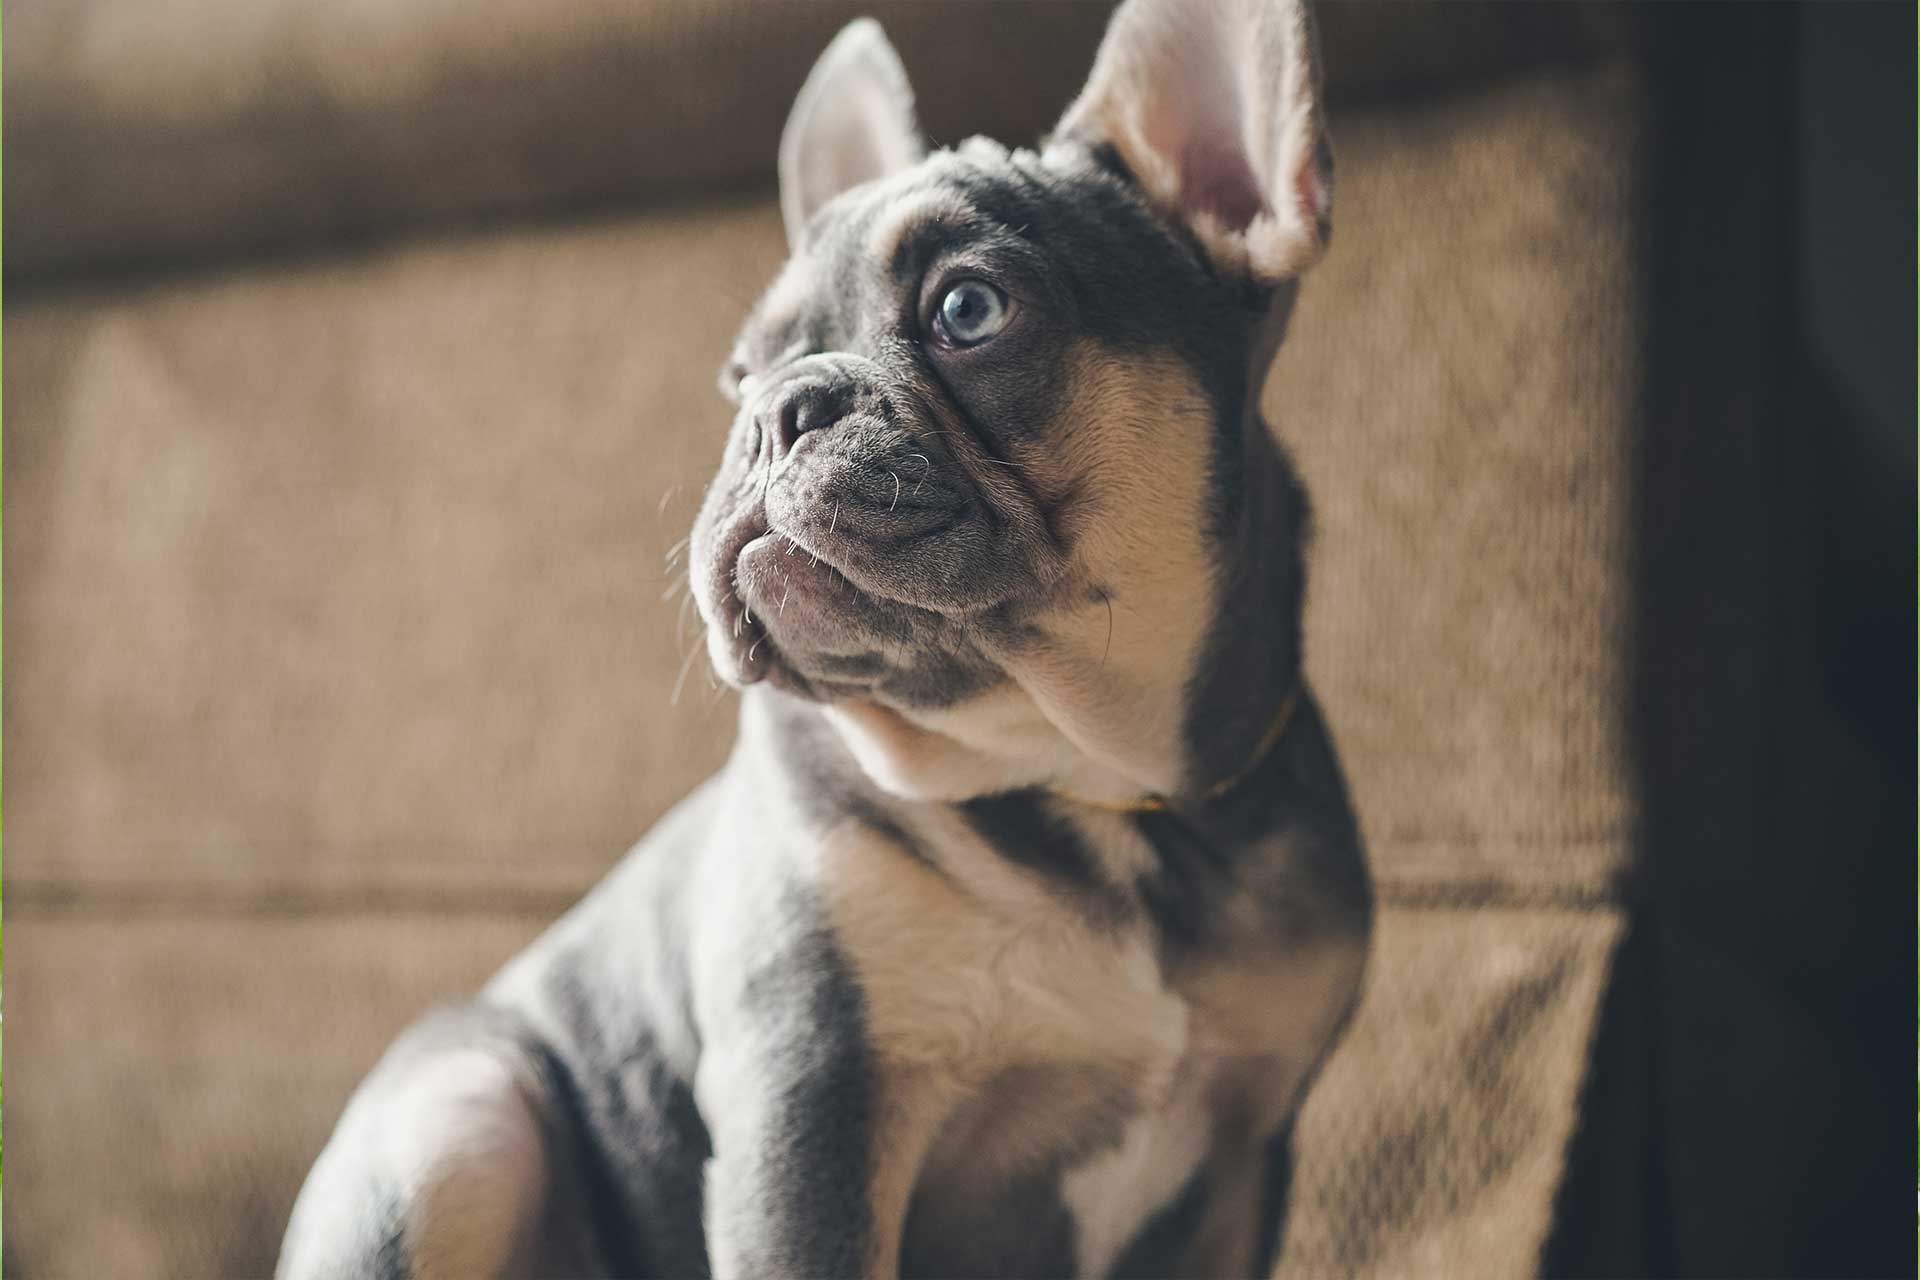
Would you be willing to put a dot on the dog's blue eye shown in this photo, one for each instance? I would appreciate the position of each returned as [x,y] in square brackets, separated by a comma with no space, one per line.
[971,312]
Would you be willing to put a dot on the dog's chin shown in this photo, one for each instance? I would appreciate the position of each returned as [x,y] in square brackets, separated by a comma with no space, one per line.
[805,627]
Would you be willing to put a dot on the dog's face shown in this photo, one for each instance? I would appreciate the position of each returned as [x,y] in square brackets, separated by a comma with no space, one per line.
[934,419]
[992,416]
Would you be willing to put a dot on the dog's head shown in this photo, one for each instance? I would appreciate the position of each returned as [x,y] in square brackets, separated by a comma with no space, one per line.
[997,490]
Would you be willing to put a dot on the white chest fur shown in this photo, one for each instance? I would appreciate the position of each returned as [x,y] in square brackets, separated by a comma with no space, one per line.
[967,979]
[1062,1040]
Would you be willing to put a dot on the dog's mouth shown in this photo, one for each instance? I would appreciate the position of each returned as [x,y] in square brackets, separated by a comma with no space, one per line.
[825,601]
[781,608]
[786,594]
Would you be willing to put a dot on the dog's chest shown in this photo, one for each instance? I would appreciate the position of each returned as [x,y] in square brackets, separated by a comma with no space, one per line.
[971,969]
[1056,1170]
[1099,1074]
[973,965]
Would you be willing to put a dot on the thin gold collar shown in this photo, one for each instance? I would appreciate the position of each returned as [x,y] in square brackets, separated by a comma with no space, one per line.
[1150,803]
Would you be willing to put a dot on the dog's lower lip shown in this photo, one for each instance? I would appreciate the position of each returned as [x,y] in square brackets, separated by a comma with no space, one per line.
[810,564]
[770,570]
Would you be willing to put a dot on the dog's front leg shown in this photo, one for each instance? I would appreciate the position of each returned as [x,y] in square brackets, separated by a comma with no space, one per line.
[815,1156]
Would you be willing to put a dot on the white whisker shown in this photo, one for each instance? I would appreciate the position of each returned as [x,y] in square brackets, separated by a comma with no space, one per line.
[960,435]
[680,681]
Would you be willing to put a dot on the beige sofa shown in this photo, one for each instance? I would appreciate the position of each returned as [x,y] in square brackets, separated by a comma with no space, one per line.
[359,377]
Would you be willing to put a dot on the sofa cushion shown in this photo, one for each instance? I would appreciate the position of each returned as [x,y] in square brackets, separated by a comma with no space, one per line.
[351,577]
[138,132]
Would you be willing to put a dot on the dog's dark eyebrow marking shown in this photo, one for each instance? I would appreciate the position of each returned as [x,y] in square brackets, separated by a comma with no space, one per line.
[929,234]
[963,204]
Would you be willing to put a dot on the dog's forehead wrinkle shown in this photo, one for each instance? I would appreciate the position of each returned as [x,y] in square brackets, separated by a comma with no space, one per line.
[901,222]
[893,237]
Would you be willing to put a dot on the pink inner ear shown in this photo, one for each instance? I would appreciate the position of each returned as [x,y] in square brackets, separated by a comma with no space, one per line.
[1216,179]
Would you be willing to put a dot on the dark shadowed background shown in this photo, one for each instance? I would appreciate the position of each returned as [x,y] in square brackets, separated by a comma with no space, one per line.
[359,378]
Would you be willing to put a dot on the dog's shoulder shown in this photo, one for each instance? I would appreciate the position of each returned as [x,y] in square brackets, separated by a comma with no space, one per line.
[615,965]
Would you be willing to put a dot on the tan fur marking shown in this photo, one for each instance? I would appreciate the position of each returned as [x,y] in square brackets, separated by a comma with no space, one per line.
[962,985]
[912,1107]
[484,1190]
[1133,447]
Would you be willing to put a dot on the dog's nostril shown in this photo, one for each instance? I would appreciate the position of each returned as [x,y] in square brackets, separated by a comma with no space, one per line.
[789,422]
[805,409]
[811,413]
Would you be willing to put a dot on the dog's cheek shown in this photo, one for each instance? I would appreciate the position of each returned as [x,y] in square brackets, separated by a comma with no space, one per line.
[1128,470]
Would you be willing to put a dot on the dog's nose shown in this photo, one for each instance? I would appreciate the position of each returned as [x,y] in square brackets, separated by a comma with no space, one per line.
[797,408]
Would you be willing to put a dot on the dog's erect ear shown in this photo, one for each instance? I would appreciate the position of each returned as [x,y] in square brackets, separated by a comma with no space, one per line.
[852,122]
[1215,107]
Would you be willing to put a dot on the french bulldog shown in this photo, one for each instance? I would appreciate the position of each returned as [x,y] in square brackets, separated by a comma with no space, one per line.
[1015,928]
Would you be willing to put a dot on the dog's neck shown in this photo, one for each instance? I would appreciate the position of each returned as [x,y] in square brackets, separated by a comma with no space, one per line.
[1091,715]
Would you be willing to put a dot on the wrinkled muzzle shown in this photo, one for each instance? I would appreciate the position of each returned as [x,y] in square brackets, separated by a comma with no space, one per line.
[854,531]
